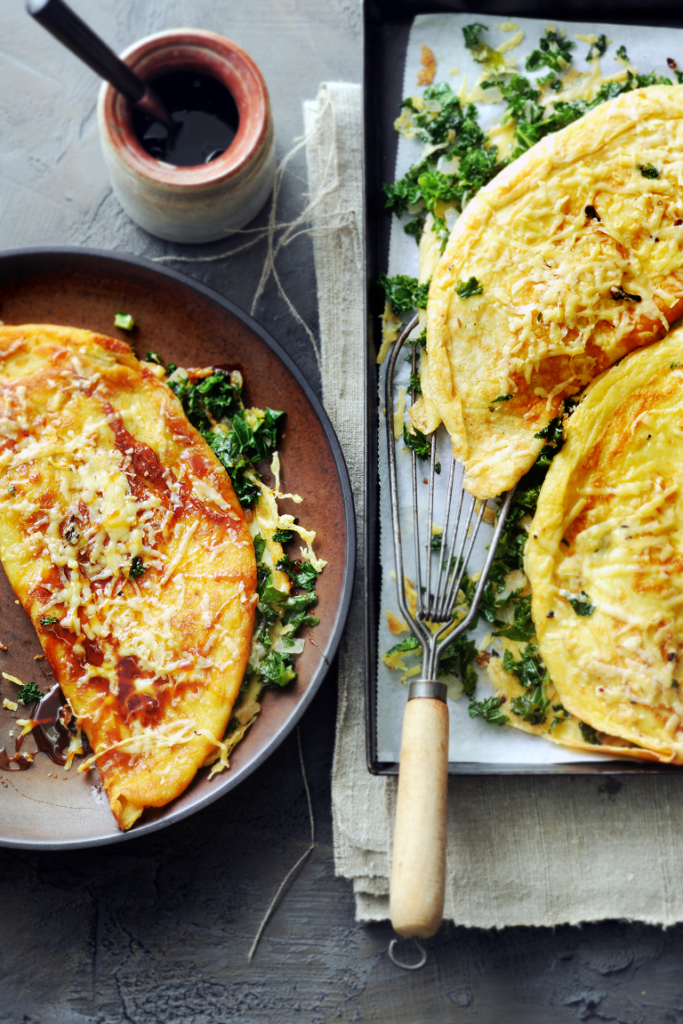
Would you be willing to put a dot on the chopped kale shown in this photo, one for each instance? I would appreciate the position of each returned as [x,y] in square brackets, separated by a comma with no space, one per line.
[302,574]
[259,546]
[553,433]
[562,715]
[622,54]
[137,567]
[418,443]
[421,341]
[284,536]
[649,171]
[531,707]
[49,620]
[411,643]
[124,321]
[263,578]
[481,52]
[582,605]
[238,447]
[152,357]
[296,610]
[28,693]
[530,670]
[523,627]
[221,398]
[464,289]
[501,398]
[415,383]
[589,734]
[458,136]
[597,48]
[489,710]
[276,669]
[472,34]
[405,293]
[436,541]
[456,660]
[554,52]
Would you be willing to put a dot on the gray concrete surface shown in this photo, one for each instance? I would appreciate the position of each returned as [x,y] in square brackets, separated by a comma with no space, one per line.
[157,931]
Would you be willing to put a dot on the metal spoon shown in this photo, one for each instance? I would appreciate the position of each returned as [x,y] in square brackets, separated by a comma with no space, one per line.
[67,27]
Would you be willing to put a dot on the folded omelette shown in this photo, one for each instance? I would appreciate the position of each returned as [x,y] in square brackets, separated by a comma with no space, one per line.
[568,260]
[121,535]
[605,555]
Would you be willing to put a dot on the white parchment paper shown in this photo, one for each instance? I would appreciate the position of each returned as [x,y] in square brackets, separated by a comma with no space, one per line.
[473,740]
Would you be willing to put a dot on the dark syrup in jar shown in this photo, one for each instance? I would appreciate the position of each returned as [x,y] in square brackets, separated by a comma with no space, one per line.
[204,114]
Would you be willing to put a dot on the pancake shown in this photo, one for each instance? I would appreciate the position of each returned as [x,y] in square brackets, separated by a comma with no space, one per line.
[577,251]
[605,554]
[123,539]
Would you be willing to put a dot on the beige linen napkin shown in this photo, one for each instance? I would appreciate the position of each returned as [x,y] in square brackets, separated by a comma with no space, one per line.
[522,850]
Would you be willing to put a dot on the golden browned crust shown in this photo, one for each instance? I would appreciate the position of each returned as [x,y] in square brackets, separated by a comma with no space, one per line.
[99,466]
[552,240]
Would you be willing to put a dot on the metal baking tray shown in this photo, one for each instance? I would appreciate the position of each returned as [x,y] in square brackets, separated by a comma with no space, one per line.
[386,28]
[194,326]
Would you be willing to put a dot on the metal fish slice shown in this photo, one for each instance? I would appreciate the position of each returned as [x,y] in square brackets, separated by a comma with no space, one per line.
[419,859]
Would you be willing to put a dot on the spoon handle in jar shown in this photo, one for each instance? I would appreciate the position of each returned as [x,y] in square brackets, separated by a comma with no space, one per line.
[65,25]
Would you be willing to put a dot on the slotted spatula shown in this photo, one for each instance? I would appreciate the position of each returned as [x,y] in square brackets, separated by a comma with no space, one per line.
[419,857]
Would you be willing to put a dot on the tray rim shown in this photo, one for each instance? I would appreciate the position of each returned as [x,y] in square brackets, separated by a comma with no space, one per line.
[379,14]
[223,786]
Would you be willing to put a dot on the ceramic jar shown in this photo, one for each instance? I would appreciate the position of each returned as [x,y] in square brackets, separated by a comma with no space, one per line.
[209,201]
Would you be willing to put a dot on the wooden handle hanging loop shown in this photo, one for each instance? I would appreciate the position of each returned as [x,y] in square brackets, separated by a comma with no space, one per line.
[419,863]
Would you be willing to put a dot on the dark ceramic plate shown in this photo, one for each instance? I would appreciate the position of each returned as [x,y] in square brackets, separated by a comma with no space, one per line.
[193,326]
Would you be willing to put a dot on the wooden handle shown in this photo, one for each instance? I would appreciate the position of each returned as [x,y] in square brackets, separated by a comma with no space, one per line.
[419,863]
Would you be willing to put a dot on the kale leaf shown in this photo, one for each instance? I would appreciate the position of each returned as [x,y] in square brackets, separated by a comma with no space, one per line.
[531,707]
[489,710]
[137,567]
[456,660]
[597,48]
[553,433]
[276,669]
[284,536]
[554,52]
[417,442]
[523,627]
[259,546]
[582,604]
[589,734]
[302,574]
[28,693]
[530,670]
[405,293]
[464,289]
[411,643]
[472,34]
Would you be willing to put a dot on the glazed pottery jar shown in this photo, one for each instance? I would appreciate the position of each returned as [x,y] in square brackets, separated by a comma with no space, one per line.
[211,200]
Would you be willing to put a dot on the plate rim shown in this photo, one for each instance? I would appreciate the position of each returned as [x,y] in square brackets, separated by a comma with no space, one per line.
[222,788]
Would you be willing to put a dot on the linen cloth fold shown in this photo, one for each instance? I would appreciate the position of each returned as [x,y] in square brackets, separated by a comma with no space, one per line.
[522,850]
